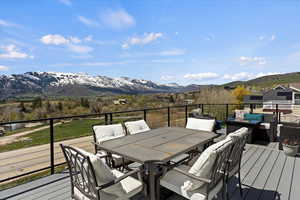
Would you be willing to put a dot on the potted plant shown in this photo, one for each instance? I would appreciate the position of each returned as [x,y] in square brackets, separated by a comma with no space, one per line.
[290,147]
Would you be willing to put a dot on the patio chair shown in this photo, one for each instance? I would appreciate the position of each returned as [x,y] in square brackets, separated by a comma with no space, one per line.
[205,179]
[92,179]
[289,131]
[104,133]
[134,127]
[239,139]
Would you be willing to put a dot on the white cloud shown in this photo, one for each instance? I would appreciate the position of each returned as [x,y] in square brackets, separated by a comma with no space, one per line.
[91,64]
[201,76]
[54,39]
[145,39]
[172,52]
[75,40]
[165,53]
[246,76]
[273,37]
[245,60]
[167,78]
[168,61]
[12,52]
[70,42]
[88,22]
[117,19]
[88,38]
[3,68]
[263,37]
[238,76]
[8,24]
[80,48]
[66,2]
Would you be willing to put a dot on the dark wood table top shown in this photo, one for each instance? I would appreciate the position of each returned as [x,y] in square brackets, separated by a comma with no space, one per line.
[160,144]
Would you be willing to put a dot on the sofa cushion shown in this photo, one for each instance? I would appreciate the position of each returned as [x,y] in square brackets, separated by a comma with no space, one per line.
[255,117]
[265,125]
[108,132]
[201,124]
[135,127]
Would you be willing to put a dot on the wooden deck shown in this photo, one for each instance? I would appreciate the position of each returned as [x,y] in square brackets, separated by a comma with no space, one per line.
[266,174]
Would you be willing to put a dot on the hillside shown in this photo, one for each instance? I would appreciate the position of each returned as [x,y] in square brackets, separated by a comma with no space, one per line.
[78,84]
[268,81]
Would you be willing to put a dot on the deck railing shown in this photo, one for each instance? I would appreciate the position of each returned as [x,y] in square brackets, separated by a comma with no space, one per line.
[165,116]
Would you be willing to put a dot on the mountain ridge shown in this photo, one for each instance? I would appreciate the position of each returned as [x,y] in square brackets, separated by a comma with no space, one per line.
[79,84]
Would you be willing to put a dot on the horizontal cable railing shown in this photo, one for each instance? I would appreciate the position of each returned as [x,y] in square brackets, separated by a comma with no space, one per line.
[47,146]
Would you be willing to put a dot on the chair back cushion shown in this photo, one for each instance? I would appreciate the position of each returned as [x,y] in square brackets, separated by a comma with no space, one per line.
[135,127]
[108,132]
[236,135]
[201,124]
[102,171]
[204,164]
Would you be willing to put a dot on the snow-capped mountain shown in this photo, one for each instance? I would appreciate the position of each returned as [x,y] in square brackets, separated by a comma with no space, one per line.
[77,84]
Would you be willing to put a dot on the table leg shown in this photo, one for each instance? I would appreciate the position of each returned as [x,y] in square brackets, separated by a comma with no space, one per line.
[151,177]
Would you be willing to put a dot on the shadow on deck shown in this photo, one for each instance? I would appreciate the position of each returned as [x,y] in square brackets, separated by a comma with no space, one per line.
[266,173]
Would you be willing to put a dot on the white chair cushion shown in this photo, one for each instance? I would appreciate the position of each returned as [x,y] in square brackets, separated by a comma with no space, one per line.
[135,127]
[182,185]
[265,125]
[203,165]
[238,133]
[102,171]
[108,132]
[201,124]
[129,184]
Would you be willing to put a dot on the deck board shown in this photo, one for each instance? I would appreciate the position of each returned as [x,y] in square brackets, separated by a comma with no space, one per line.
[266,173]
[294,195]
[270,189]
[262,178]
[285,180]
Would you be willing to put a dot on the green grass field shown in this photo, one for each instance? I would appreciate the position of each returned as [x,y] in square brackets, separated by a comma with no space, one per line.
[70,130]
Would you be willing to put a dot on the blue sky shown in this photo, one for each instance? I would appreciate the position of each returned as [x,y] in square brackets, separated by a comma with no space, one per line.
[207,41]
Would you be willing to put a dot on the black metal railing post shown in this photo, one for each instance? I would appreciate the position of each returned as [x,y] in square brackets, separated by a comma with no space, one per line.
[227,112]
[277,116]
[169,117]
[110,118]
[202,109]
[186,114]
[52,146]
[145,115]
[106,119]
[251,108]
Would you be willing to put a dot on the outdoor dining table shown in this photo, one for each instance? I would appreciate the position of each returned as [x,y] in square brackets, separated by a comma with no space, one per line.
[154,149]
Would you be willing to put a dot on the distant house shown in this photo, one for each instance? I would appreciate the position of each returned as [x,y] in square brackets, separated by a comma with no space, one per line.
[120,101]
[12,127]
[287,98]
[253,99]
[188,101]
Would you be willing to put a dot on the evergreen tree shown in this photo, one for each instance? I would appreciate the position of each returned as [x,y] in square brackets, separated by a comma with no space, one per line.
[22,107]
